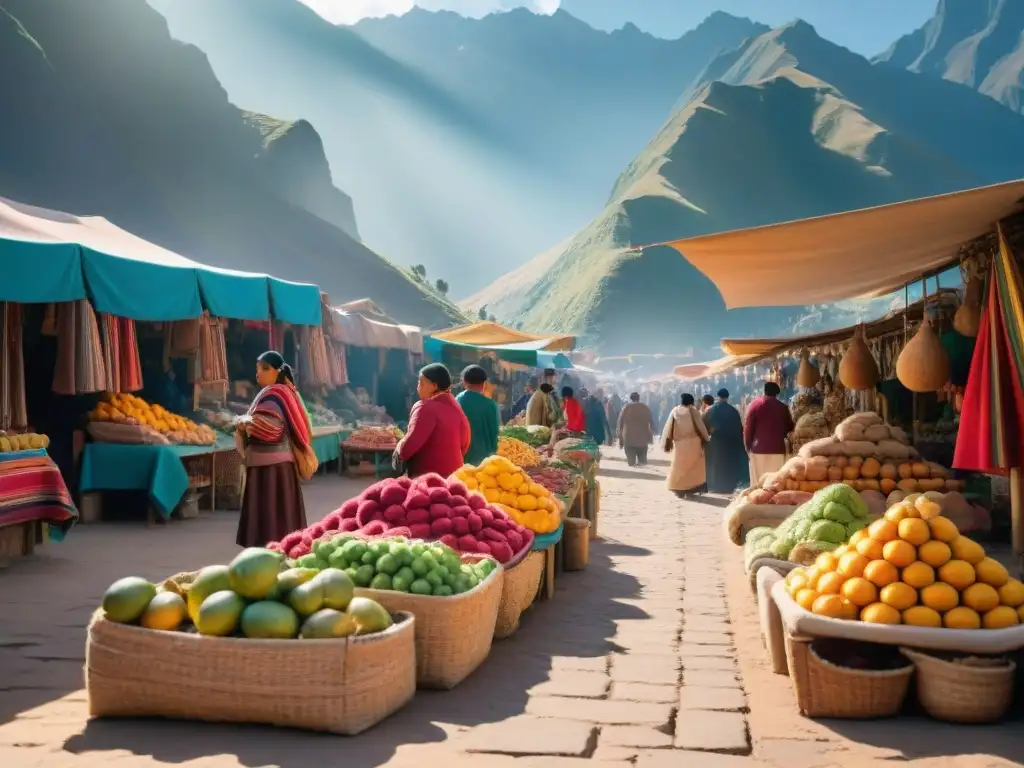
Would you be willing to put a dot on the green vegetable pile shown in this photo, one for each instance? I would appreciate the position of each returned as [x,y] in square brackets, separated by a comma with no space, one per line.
[819,525]
[534,436]
[419,567]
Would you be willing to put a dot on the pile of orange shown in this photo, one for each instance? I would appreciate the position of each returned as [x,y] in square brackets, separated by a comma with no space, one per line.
[913,567]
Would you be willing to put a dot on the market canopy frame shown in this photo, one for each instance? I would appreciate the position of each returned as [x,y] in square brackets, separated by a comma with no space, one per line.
[486,334]
[52,256]
[855,254]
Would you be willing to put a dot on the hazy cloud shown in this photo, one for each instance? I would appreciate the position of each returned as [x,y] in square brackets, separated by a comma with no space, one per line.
[351,11]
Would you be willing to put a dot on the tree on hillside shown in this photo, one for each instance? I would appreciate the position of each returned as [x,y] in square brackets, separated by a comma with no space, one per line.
[482,314]
[442,287]
[419,271]
[492,318]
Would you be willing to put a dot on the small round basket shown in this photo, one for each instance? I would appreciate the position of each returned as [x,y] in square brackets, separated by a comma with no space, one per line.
[824,689]
[962,693]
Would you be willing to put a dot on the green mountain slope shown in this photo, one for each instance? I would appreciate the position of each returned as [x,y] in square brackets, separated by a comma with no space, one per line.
[978,43]
[780,140]
[105,114]
[467,143]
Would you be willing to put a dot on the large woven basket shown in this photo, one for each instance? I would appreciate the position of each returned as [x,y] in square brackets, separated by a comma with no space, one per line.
[962,693]
[576,544]
[453,634]
[341,686]
[518,590]
[229,479]
[824,689]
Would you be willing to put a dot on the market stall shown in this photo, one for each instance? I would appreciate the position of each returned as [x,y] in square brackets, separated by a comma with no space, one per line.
[95,298]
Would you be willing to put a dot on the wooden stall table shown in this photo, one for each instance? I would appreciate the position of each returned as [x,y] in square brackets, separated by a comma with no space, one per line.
[326,444]
[381,457]
[35,504]
[156,469]
[550,545]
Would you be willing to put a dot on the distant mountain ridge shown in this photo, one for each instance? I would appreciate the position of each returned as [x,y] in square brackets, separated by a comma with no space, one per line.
[105,114]
[784,127]
[467,144]
[978,43]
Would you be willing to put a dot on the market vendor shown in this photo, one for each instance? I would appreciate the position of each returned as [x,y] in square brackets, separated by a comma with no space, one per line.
[275,440]
[575,419]
[438,436]
[481,412]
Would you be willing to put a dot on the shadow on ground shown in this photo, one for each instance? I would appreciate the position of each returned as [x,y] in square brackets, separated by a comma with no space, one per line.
[629,474]
[650,462]
[55,593]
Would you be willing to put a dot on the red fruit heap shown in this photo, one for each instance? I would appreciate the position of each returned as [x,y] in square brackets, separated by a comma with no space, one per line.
[428,508]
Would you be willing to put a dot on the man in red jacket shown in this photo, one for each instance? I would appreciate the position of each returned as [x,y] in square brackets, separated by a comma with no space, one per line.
[575,419]
[764,434]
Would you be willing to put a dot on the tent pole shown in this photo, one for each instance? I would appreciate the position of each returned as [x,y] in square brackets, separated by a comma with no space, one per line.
[1017,520]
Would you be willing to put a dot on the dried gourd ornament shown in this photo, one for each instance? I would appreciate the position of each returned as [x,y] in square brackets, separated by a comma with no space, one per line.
[923,365]
[858,369]
[967,320]
[807,375]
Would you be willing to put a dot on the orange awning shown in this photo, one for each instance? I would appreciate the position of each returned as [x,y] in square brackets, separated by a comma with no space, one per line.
[488,334]
[694,371]
[862,253]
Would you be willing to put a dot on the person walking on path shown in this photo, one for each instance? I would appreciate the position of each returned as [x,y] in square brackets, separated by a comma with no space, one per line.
[705,403]
[575,420]
[727,466]
[636,430]
[438,435]
[764,434]
[275,441]
[612,409]
[481,412]
[597,419]
[520,405]
[684,437]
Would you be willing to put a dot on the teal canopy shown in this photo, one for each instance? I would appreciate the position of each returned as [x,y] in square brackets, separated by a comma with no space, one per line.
[49,256]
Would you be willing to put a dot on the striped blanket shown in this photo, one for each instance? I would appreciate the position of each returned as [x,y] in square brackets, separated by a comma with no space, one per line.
[32,489]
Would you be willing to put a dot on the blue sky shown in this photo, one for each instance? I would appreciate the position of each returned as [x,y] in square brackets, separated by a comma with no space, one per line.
[865,26]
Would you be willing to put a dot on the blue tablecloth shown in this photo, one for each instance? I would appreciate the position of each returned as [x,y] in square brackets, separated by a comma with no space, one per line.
[327,447]
[153,468]
[544,540]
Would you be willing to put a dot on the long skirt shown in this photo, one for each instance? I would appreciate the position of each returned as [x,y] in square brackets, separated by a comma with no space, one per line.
[687,473]
[727,465]
[272,506]
[763,463]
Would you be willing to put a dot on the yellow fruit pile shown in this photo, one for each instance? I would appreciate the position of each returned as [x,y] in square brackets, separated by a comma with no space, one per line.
[518,452]
[30,441]
[913,567]
[503,483]
[125,408]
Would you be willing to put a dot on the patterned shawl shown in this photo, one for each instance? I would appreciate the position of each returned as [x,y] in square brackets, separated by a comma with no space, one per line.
[297,422]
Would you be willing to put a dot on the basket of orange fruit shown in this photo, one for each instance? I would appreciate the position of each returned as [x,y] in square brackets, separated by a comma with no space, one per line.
[910,578]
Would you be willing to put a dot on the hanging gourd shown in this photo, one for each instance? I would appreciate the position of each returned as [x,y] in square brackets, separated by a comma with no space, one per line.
[967,319]
[923,365]
[807,375]
[858,369]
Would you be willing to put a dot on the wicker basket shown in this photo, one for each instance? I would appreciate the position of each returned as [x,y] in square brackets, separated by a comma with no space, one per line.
[960,693]
[518,590]
[341,686]
[229,479]
[824,689]
[576,544]
[453,634]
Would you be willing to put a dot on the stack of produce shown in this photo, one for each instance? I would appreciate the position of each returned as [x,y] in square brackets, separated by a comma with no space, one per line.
[865,454]
[534,435]
[374,439]
[807,401]
[911,567]
[429,508]
[502,483]
[125,408]
[398,564]
[518,452]
[821,524]
[556,479]
[252,597]
[29,441]
[320,416]
[809,427]
[579,452]
[222,420]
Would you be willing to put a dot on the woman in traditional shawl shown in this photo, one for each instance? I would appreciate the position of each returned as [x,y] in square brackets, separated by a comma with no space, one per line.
[684,436]
[275,441]
[727,462]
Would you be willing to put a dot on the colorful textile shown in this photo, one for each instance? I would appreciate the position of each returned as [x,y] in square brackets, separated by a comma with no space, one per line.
[289,406]
[80,358]
[575,419]
[32,489]
[13,408]
[992,417]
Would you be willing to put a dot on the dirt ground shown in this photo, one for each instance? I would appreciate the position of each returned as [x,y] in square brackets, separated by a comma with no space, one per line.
[649,657]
